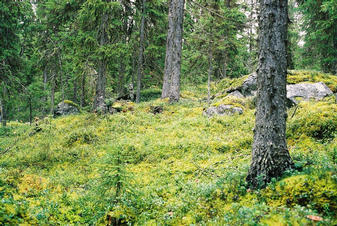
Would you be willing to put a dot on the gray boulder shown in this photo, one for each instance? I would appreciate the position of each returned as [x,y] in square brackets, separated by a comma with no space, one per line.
[66,108]
[248,87]
[307,91]
[236,93]
[222,110]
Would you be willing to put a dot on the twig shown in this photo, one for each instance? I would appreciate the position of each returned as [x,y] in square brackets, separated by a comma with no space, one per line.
[294,112]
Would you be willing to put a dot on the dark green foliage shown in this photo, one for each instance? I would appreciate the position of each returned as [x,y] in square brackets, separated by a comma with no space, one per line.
[320,45]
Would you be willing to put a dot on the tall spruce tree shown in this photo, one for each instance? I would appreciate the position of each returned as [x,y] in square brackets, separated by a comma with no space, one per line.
[171,83]
[270,157]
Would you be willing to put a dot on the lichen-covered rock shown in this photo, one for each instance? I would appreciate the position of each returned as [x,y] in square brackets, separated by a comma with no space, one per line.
[66,108]
[307,91]
[222,110]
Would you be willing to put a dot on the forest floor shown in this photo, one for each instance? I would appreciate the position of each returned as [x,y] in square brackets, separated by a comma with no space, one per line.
[173,168]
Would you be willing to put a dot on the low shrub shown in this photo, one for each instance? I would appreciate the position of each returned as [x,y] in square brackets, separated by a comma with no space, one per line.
[315,119]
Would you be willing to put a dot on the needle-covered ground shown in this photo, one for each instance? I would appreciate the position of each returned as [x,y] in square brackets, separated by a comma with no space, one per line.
[173,168]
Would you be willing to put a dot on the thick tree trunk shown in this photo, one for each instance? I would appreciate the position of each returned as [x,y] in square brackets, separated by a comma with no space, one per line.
[270,157]
[141,53]
[168,56]
[176,51]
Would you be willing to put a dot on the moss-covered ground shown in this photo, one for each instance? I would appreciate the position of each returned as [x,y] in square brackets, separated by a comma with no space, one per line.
[173,168]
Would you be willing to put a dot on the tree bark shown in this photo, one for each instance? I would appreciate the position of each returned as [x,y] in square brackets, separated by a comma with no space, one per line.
[99,103]
[270,157]
[250,35]
[83,90]
[61,77]
[52,95]
[210,71]
[168,56]
[30,110]
[45,98]
[3,121]
[176,50]
[121,78]
[141,53]
[75,91]
[3,106]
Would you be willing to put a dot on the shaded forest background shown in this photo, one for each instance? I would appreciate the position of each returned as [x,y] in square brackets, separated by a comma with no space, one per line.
[53,50]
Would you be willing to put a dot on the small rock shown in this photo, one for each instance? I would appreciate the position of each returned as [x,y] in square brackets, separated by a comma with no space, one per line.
[156,109]
[222,110]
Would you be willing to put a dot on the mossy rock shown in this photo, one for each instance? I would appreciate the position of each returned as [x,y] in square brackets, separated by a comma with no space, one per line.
[295,77]
[71,103]
[231,100]
[228,84]
[320,193]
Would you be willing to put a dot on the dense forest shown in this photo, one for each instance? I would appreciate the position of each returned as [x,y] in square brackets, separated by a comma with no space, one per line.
[142,112]
[56,50]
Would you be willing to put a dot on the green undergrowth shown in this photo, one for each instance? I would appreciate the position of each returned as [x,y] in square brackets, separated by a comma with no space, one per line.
[173,168]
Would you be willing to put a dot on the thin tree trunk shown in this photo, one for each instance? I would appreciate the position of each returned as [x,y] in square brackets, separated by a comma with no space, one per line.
[133,72]
[210,71]
[75,91]
[168,56]
[61,78]
[3,106]
[224,66]
[45,97]
[3,121]
[83,90]
[99,103]
[121,78]
[30,110]
[141,53]
[250,36]
[270,157]
[52,96]
[176,51]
